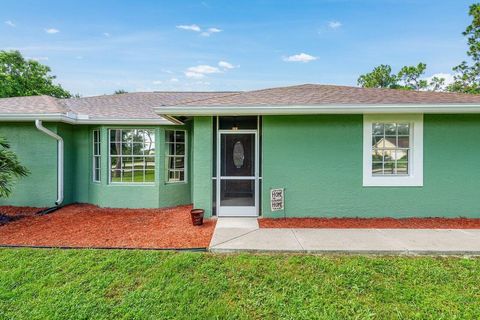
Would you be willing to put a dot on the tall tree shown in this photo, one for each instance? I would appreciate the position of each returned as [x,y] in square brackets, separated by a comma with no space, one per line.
[22,77]
[467,74]
[380,77]
[10,168]
[408,78]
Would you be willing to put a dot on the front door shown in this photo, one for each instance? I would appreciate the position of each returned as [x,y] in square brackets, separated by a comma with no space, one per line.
[237,173]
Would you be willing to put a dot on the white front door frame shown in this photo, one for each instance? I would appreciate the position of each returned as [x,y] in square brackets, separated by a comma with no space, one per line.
[231,211]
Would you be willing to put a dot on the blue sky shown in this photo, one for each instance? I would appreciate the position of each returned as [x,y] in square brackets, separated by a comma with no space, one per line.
[96,47]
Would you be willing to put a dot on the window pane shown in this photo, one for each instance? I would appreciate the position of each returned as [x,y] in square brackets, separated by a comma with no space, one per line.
[171,149]
[138,163]
[377,155]
[390,129]
[389,167]
[180,149]
[377,129]
[179,162]
[126,149]
[149,163]
[150,176]
[180,136]
[116,175]
[377,168]
[169,136]
[377,142]
[403,142]
[127,176]
[403,129]
[390,142]
[402,167]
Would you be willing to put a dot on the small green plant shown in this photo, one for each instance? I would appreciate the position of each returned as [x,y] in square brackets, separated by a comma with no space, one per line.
[10,168]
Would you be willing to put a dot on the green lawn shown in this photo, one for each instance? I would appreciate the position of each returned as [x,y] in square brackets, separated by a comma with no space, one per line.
[82,284]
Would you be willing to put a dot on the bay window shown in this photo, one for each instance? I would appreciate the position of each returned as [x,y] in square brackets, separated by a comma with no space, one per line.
[132,155]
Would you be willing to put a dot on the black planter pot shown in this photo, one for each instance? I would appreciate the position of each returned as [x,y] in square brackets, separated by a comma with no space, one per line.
[197,216]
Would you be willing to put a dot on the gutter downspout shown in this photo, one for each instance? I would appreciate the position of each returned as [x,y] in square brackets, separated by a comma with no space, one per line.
[38,124]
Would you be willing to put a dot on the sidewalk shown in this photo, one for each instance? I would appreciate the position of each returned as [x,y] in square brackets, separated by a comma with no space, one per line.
[243,234]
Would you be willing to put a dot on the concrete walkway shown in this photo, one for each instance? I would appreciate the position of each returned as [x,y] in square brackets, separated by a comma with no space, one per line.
[243,234]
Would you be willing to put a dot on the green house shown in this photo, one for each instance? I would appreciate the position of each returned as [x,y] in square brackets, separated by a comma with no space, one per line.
[307,150]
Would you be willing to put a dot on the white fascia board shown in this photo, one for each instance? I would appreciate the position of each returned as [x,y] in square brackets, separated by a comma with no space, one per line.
[72,119]
[317,109]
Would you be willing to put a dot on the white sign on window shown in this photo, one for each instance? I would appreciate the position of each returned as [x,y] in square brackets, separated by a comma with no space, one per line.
[277,199]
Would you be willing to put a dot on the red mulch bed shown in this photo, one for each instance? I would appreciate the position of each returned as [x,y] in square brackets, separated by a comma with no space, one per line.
[84,225]
[377,223]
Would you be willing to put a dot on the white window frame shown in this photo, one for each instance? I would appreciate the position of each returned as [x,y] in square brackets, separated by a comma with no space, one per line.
[414,178]
[168,156]
[128,183]
[95,156]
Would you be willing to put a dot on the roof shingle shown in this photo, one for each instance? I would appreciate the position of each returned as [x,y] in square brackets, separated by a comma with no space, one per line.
[312,94]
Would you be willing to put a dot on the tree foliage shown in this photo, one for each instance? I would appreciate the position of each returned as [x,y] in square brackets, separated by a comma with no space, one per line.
[22,77]
[380,77]
[120,91]
[467,75]
[408,78]
[10,168]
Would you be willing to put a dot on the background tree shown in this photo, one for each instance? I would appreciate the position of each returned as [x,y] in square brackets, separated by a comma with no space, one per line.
[21,77]
[380,77]
[408,78]
[467,75]
[120,91]
[10,169]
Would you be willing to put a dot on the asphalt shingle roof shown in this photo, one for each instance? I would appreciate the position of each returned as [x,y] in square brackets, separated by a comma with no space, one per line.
[141,105]
[138,105]
[31,105]
[312,94]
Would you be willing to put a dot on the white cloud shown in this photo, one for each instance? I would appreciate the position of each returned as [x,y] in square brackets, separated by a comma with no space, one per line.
[301,57]
[194,75]
[52,30]
[196,28]
[204,69]
[191,27]
[10,23]
[157,82]
[106,34]
[334,24]
[214,30]
[174,80]
[226,65]
[210,31]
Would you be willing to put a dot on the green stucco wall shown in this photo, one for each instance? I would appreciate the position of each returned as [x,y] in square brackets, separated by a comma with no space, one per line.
[38,152]
[318,160]
[202,149]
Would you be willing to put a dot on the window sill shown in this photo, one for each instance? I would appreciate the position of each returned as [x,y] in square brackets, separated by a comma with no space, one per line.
[176,182]
[139,184]
[396,181]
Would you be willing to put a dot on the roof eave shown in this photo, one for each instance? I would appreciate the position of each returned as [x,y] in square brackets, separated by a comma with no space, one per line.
[71,119]
[316,109]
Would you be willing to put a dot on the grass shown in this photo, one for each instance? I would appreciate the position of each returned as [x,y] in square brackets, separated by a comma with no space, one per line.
[114,284]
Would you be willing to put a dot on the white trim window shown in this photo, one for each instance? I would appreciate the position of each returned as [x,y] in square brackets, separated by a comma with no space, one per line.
[176,154]
[393,150]
[96,164]
[132,156]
